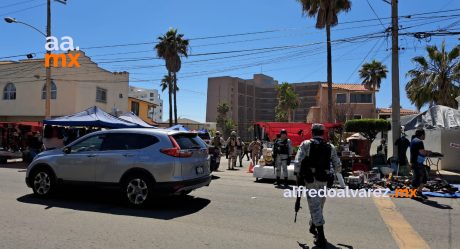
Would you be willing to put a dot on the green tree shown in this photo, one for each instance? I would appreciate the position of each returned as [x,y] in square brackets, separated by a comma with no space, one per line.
[372,74]
[326,12]
[288,101]
[171,46]
[228,127]
[436,78]
[165,83]
[222,110]
[369,128]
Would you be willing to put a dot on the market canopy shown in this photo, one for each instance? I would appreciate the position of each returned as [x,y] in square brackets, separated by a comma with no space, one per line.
[92,116]
[178,127]
[436,117]
[131,117]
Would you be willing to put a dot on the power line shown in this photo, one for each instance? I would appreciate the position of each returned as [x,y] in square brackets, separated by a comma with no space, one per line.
[21,10]
[375,14]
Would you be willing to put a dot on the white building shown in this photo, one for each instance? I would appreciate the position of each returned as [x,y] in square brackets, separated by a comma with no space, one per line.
[152,96]
[72,90]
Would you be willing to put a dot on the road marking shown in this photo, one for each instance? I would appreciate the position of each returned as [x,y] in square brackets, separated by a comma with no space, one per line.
[403,233]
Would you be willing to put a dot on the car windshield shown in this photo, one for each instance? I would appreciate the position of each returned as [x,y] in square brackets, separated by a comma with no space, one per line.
[189,141]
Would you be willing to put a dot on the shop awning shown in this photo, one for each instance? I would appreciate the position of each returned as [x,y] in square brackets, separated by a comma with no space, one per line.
[94,117]
[131,117]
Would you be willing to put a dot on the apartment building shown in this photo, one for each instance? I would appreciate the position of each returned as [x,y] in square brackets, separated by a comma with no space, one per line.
[254,100]
[150,95]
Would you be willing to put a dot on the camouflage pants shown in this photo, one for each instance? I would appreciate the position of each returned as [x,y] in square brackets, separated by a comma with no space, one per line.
[281,163]
[255,157]
[232,159]
[316,203]
[239,154]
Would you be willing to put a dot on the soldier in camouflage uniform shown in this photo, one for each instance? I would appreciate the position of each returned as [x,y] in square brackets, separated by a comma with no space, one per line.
[312,168]
[232,143]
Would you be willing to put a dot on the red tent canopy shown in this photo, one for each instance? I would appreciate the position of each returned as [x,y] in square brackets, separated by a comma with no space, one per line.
[273,128]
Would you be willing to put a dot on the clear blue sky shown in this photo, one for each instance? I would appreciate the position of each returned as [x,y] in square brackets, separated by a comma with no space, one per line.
[103,22]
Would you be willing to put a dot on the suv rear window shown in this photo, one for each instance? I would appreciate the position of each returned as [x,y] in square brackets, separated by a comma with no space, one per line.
[127,141]
[189,141]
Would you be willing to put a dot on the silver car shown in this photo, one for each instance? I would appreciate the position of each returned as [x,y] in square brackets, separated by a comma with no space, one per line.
[140,162]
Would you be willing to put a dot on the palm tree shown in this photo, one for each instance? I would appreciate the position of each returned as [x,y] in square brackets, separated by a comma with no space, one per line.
[166,82]
[288,101]
[372,74]
[436,78]
[326,12]
[222,110]
[171,46]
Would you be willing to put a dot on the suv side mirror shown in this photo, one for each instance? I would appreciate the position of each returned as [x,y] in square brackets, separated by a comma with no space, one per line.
[67,150]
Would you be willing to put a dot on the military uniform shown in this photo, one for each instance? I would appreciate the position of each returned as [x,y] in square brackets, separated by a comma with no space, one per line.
[326,154]
[232,143]
[283,152]
[255,148]
[218,142]
[239,151]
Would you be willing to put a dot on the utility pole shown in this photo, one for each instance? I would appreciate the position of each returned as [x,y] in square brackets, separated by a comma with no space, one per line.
[395,112]
[48,69]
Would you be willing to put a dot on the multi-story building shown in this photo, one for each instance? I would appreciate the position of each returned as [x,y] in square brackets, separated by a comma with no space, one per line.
[141,108]
[150,95]
[255,100]
[72,89]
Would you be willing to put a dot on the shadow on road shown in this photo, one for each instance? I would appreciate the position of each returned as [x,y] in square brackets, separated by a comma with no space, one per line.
[434,204]
[13,165]
[104,201]
[329,246]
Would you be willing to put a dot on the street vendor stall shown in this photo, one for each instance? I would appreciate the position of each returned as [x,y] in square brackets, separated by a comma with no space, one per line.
[15,137]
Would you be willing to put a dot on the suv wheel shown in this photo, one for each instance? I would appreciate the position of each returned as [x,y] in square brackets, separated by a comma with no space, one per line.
[42,182]
[137,190]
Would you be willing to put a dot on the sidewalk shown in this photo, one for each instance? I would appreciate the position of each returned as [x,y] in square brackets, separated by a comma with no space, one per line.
[451,176]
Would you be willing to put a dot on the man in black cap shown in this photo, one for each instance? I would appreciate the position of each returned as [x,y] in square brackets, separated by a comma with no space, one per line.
[283,151]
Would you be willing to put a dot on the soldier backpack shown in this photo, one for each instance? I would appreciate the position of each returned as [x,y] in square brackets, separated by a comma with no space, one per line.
[319,159]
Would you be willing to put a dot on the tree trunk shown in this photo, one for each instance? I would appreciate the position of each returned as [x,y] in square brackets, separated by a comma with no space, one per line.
[329,74]
[175,102]
[170,99]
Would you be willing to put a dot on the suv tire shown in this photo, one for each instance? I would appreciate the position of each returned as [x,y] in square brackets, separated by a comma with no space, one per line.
[137,190]
[43,182]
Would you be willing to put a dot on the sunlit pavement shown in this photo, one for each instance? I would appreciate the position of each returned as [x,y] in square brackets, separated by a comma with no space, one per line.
[233,212]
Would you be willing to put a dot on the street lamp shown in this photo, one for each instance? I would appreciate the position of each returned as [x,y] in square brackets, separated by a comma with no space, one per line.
[48,69]
[13,20]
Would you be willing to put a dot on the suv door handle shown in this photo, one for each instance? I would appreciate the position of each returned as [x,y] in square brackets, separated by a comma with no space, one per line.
[128,155]
[92,155]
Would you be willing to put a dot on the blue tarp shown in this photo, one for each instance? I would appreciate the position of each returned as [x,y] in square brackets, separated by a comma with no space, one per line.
[437,194]
[92,116]
[178,128]
[131,117]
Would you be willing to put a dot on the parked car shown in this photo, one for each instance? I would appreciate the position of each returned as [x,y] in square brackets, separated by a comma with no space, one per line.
[205,136]
[139,162]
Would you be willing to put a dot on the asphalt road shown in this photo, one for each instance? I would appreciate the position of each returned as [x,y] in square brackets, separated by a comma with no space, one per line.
[233,212]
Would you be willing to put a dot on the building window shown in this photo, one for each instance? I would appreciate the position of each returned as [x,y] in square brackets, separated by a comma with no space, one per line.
[151,95]
[101,95]
[9,91]
[53,91]
[357,116]
[120,95]
[135,108]
[341,98]
[362,98]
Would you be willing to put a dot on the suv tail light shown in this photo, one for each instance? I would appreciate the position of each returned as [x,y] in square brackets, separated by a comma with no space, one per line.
[175,151]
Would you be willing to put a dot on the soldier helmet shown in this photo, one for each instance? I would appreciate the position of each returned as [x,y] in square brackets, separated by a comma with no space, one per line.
[217,132]
[317,127]
[283,131]
[233,133]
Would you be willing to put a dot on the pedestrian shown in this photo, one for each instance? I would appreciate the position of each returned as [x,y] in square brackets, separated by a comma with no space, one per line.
[282,151]
[254,148]
[312,168]
[417,159]
[232,143]
[403,144]
[239,151]
[218,142]
[382,148]
[246,151]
